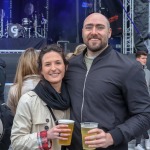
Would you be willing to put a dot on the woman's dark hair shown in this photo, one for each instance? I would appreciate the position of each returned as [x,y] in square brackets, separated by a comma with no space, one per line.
[53,47]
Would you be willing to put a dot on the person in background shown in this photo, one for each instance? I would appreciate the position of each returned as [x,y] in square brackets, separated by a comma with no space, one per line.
[106,87]
[77,51]
[2,80]
[141,56]
[6,117]
[34,125]
[26,77]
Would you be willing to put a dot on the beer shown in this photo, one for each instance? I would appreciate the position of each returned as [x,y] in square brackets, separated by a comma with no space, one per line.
[70,124]
[85,127]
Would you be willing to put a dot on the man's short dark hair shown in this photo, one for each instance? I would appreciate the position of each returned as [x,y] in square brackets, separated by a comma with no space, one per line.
[139,53]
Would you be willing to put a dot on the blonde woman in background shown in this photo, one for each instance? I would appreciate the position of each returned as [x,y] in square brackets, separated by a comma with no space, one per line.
[77,51]
[26,77]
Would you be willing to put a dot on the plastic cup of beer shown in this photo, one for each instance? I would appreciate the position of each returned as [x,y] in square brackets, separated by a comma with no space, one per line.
[70,124]
[85,127]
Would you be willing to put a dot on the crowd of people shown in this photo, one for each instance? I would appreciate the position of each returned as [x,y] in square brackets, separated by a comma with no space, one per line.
[94,84]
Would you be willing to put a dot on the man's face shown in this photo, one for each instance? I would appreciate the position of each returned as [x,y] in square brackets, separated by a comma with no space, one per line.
[96,32]
[142,59]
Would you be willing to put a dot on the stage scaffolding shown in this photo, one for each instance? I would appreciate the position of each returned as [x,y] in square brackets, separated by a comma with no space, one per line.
[128,28]
[128,24]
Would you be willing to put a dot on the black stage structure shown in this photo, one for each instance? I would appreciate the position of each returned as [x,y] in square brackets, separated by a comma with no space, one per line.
[13,44]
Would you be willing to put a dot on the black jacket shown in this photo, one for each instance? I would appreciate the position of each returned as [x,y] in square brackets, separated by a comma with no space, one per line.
[6,117]
[2,80]
[113,93]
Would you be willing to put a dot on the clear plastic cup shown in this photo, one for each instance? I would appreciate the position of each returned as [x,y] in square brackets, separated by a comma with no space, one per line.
[85,127]
[70,124]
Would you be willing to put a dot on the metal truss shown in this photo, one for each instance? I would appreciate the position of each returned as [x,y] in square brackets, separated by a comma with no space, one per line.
[128,24]
[128,28]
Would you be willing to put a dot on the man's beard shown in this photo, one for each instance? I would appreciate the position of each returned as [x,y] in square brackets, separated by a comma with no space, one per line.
[96,48]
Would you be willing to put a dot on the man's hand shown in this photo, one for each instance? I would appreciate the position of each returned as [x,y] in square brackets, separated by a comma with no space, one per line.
[99,139]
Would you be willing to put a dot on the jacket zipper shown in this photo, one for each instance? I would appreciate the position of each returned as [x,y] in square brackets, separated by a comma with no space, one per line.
[83,95]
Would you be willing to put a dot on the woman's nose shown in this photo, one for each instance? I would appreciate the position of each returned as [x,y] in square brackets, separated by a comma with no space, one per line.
[53,67]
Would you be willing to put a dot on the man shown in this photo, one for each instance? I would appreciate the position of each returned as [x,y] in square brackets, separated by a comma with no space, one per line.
[108,88]
[141,56]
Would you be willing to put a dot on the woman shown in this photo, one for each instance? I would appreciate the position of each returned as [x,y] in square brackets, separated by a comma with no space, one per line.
[26,77]
[34,127]
[77,51]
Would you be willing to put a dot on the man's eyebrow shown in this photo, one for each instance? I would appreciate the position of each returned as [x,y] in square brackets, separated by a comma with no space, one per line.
[90,24]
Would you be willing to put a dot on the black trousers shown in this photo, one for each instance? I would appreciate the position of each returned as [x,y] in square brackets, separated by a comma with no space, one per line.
[145,136]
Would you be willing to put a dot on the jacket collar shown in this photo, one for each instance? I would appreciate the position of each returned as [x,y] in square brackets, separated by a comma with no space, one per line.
[106,51]
[144,67]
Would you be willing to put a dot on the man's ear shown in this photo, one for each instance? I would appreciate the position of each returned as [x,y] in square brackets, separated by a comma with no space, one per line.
[110,32]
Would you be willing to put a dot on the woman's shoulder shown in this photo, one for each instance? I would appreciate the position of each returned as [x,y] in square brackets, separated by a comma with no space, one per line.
[31,102]
[30,98]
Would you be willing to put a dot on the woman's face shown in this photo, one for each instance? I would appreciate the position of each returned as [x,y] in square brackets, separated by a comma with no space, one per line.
[53,67]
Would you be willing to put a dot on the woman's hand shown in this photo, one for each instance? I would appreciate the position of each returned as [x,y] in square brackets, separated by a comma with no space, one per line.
[59,132]
[99,139]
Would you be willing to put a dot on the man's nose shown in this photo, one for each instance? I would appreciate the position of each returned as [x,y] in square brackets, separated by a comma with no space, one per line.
[94,30]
